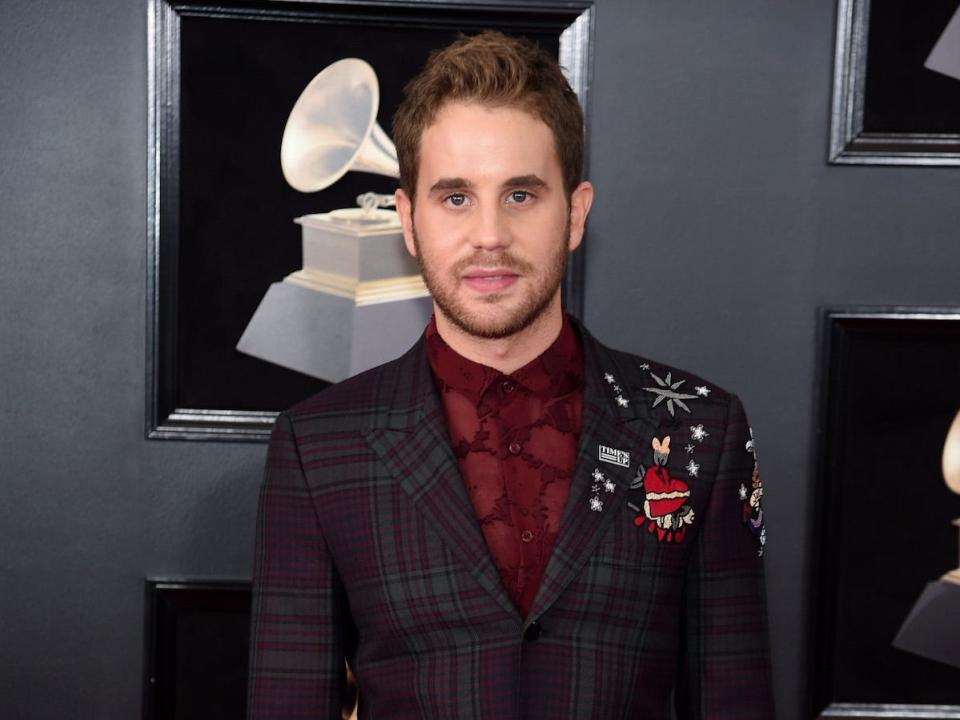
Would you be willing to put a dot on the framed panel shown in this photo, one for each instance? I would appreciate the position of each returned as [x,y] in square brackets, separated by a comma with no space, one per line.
[890,388]
[223,79]
[888,109]
[196,647]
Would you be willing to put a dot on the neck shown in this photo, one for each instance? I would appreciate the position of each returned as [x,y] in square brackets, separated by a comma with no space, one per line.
[508,353]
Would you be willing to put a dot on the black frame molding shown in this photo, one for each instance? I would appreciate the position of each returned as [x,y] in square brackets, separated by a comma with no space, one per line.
[166,599]
[166,417]
[834,326]
[849,144]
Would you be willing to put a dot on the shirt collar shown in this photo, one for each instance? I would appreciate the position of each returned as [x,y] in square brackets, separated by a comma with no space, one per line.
[556,372]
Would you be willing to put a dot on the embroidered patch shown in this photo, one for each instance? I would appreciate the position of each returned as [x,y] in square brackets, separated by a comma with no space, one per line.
[665,499]
[622,401]
[752,500]
[669,390]
[600,481]
[614,456]
[698,433]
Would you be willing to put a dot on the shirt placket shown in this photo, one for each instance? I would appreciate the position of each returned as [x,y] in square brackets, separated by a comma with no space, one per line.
[515,413]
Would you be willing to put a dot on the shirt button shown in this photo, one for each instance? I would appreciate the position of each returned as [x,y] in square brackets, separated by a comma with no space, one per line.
[526,536]
[532,632]
[508,386]
[514,448]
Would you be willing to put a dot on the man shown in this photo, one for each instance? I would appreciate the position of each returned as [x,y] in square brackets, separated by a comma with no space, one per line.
[511,520]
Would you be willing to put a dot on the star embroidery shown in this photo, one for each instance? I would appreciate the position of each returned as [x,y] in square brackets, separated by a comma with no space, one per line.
[743,491]
[617,388]
[594,488]
[698,433]
[609,486]
[689,448]
[597,475]
[693,469]
[667,390]
[622,401]
[596,504]
[702,390]
[608,377]
[645,366]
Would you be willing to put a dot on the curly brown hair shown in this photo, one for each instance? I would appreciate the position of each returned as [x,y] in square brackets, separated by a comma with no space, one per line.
[494,70]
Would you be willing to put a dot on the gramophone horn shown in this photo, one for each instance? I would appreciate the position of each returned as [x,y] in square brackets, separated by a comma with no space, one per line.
[333,128]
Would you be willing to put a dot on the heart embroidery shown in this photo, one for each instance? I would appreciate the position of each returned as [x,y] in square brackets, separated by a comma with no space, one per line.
[664,494]
[665,508]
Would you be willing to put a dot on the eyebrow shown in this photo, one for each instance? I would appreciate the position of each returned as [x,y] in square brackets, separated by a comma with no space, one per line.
[453,183]
[531,181]
[458,183]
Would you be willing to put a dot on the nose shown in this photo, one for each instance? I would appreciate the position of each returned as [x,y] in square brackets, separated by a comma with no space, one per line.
[491,231]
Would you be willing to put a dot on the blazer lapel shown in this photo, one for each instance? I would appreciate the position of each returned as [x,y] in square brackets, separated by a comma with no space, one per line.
[604,422]
[411,438]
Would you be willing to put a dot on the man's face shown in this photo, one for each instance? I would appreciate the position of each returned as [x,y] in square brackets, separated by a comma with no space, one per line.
[491,227]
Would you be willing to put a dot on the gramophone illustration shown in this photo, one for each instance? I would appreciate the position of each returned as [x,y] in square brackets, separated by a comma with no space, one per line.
[359,299]
[932,629]
[945,56]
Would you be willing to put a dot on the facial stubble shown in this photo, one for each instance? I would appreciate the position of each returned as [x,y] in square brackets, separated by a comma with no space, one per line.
[531,307]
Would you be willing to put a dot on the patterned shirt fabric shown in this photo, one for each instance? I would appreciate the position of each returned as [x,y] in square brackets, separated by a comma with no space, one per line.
[515,440]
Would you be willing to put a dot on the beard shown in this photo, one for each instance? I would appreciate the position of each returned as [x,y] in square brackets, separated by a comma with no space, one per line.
[494,325]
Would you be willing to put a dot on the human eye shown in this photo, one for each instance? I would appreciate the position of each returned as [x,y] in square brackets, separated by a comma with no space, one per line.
[520,197]
[455,200]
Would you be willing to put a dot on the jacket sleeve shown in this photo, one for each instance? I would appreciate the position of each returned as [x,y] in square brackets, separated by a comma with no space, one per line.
[725,660]
[296,639]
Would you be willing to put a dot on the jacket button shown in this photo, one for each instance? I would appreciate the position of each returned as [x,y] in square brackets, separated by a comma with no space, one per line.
[515,448]
[532,632]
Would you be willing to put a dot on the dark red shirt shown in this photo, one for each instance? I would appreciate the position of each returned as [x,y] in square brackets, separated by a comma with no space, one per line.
[515,439]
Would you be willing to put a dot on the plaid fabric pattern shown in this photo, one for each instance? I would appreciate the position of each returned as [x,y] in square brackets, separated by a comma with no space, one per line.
[368,549]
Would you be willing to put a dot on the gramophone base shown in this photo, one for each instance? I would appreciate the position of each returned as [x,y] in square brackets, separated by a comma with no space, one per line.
[330,337]
[932,629]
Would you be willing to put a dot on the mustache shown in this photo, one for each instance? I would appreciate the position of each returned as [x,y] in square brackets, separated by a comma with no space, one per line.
[496,260]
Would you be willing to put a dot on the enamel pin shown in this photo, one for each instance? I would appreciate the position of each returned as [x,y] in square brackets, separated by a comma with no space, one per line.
[614,456]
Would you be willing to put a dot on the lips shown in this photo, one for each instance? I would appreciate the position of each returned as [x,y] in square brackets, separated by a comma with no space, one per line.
[493,280]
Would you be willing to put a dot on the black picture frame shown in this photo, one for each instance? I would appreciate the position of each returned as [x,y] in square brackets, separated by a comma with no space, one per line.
[196,648]
[881,520]
[887,108]
[222,79]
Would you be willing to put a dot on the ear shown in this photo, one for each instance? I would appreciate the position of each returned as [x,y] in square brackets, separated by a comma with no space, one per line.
[656,445]
[666,444]
[405,211]
[580,201]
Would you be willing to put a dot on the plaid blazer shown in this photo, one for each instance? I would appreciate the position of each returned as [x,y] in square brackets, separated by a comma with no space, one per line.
[368,548]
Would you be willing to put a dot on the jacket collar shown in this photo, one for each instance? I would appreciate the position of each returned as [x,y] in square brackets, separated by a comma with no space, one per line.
[409,434]
[408,393]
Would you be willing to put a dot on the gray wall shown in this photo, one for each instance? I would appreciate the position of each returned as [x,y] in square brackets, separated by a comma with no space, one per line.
[718,230]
